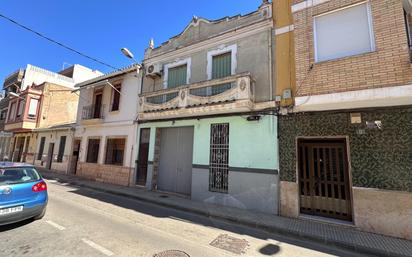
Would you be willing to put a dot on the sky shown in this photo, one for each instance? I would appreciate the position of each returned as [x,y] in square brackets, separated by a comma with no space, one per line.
[99,28]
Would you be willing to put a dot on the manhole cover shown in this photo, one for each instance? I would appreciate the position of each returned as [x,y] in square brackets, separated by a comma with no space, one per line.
[231,244]
[172,253]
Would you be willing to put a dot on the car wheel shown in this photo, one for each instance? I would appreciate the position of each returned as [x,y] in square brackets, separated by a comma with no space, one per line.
[41,215]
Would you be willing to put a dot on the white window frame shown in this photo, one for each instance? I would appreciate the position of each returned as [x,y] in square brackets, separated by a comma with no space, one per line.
[222,50]
[370,23]
[178,62]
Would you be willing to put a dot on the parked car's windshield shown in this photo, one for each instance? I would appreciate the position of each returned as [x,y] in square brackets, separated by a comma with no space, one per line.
[10,176]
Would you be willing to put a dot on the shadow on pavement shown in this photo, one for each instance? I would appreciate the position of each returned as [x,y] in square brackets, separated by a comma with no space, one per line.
[158,211]
[15,225]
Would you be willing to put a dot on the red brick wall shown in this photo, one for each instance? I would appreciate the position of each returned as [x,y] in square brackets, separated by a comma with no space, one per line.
[389,65]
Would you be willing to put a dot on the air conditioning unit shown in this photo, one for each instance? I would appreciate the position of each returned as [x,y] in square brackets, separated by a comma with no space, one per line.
[154,70]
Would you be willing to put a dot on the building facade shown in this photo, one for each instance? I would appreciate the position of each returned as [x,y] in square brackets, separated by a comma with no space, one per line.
[207,127]
[105,134]
[23,92]
[346,143]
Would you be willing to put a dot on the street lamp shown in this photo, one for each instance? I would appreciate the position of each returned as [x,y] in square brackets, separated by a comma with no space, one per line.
[15,95]
[126,52]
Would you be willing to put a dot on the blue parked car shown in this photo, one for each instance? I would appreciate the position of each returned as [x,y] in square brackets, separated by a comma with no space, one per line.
[23,193]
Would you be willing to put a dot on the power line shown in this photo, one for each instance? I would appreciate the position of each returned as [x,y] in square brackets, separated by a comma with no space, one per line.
[56,42]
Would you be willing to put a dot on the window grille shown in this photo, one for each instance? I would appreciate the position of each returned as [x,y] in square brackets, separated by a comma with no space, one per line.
[219,158]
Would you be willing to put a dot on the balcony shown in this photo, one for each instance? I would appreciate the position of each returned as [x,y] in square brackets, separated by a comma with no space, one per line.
[93,114]
[225,95]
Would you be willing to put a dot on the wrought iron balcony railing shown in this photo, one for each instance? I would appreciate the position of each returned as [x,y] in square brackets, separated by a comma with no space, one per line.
[91,112]
[230,89]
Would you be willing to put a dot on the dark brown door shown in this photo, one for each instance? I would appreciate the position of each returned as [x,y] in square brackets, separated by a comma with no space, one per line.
[26,149]
[19,149]
[50,155]
[324,178]
[75,155]
[141,174]
[97,106]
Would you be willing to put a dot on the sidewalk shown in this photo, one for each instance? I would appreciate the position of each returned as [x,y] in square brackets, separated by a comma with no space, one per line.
[345,237]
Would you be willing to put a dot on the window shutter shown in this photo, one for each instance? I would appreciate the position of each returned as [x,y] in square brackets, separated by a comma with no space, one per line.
[177,76]
[222,65]
[33,107]
[343,33]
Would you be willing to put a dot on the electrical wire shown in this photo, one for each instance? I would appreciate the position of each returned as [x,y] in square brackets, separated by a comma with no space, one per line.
[56,42]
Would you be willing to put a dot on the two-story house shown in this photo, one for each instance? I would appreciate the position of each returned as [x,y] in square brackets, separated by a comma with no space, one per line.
[346,142]
[207,127]
[105,136]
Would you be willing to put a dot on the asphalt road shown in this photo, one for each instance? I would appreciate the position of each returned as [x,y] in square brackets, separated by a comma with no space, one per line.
[82,222]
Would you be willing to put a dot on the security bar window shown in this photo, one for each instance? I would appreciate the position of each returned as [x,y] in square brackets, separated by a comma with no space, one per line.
[343,32]
[93,150]
[115,151]
[219,158]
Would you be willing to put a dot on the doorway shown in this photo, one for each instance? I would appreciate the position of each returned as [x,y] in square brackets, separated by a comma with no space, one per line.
[323,173]
[176,153]
[75,156]
[26,149]
[19,149]
[97,108]
[141,174]
[50,156]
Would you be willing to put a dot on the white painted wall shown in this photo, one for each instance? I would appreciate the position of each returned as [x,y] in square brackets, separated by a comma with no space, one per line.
[39,75]
[104,132]
[118,123]
[128,100]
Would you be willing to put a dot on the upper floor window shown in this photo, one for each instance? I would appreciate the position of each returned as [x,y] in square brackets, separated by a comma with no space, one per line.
[221,62]
[222,65]
[177,73]
[408,28]
[3,114]
[343,32]
[177,76]
[12,113]
[33,108]
[115,105]
[20,109]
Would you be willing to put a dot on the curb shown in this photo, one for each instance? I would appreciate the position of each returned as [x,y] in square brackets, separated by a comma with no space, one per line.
[292,233]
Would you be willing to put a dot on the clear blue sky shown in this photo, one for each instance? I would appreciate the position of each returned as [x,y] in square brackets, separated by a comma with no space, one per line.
[98,27]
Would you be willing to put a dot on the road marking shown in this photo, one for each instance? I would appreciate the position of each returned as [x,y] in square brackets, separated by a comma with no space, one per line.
[55,225]
[97,247]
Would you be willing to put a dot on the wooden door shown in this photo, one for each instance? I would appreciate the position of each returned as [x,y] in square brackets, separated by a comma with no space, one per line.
[50,155]
[75,156]
[97,112]
[141,174]
[324,178]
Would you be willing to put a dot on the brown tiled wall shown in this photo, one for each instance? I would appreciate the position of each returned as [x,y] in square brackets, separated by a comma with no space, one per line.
[117,175]
[389,65]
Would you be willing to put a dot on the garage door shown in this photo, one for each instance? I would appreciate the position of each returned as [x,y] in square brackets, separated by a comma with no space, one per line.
[175,169]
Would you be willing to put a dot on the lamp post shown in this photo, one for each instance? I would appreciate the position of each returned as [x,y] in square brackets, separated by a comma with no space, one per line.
[15,95]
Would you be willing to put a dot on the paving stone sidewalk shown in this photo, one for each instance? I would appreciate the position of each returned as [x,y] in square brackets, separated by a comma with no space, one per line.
[338,235]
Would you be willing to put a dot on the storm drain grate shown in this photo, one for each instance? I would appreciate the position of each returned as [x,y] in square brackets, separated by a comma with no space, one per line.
[230,244]
[164,196]
[172,253]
